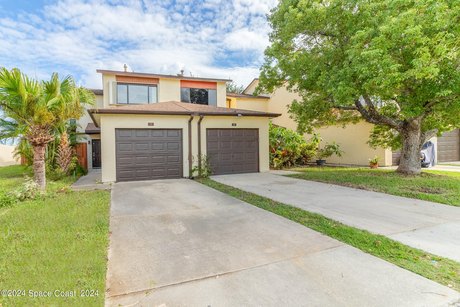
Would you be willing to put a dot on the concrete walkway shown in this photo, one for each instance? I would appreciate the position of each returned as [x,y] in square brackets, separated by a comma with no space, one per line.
[425,225]
[180,243]
[91,181]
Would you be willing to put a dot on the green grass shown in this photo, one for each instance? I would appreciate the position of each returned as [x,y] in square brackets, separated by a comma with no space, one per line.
[436,186]
[441,270]
[57,242]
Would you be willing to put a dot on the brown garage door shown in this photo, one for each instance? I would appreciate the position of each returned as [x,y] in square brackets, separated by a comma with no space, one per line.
[233,151]
[449,146]
[145,154]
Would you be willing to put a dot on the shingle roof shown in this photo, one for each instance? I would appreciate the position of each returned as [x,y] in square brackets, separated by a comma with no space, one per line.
[96,91]
[92,129]
[179,108]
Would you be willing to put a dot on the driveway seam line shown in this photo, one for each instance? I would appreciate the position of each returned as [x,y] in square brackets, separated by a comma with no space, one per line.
[341,245]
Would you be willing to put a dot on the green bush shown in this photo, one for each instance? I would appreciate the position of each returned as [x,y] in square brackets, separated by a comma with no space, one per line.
[288,148]
[205,171]
[28,190]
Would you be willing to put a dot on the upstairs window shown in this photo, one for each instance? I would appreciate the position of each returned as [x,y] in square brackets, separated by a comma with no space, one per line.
[136,93]
[198,95]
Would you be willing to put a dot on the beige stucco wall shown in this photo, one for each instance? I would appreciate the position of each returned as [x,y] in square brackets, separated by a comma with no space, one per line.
[255,104]
[110,122]
[109,91]
[353,141]
[221,90]
[169,90]
[7,155]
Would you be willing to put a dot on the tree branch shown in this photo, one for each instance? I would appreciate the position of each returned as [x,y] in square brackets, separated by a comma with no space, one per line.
[373,116]
[346,108]
[428,135]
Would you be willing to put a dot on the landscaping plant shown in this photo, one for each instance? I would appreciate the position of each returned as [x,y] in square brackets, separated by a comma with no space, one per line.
[37,109]
[288,148]
[392,63]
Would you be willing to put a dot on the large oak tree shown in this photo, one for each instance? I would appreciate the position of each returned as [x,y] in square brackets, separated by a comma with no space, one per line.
[393,63]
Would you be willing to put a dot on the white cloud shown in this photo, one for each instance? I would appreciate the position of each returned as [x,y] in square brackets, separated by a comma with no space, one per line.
[77,37]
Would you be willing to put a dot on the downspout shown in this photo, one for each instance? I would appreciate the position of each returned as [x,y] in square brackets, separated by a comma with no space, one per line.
[199,143]
[190,157]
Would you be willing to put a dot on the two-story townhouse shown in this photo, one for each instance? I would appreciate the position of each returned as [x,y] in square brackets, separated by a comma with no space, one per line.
[152,126]
[352,138]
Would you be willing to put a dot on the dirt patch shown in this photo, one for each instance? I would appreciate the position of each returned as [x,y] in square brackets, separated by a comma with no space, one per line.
[429,190]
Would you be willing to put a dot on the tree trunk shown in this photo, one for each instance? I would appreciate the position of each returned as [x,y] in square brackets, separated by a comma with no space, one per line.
[39,165]
[411,137]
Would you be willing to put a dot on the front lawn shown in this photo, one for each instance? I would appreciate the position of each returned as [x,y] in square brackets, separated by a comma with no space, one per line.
[439,269]
[58,242]
[436,186]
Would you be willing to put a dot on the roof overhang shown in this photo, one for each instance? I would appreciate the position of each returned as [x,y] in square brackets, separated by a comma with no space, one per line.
[149,75]
[95,114]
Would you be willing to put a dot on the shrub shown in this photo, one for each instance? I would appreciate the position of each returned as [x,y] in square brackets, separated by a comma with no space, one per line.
[329,150]
[205,171]
[288,148]
[28,190]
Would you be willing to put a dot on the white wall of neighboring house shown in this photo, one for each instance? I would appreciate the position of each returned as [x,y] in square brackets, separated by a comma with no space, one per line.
[7,155]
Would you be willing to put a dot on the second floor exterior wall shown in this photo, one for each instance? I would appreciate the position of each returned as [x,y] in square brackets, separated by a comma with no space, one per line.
[168,88]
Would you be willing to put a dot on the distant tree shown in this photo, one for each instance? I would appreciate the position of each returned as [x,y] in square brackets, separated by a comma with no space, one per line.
[35,110]
[232,87]
[392,63]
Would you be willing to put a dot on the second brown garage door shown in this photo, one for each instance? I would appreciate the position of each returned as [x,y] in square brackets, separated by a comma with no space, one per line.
[233,151]
[449,146]
[145,154]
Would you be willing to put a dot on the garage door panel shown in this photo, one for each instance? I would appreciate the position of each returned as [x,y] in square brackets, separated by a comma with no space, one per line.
[233,151]
[146,154]
[449,146]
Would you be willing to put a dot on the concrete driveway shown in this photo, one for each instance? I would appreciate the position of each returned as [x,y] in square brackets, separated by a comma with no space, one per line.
[179,243]
[425,225]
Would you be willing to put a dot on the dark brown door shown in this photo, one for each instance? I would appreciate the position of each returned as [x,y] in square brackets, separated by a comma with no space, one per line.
[233,151]
[449,146]
[145,154]
[96,153]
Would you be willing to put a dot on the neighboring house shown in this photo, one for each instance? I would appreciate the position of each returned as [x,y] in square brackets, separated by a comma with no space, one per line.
[352,138]
[7,155]
[152,126]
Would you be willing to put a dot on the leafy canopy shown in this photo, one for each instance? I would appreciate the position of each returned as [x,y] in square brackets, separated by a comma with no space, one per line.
[387,61]
[28,104]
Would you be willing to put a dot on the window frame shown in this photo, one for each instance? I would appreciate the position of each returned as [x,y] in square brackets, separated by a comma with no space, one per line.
[141,84]
[198,88]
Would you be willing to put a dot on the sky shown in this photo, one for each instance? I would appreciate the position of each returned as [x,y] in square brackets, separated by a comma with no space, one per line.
[207,38]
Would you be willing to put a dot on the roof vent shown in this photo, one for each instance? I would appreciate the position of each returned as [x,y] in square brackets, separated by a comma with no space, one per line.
[125,67]
[181,73]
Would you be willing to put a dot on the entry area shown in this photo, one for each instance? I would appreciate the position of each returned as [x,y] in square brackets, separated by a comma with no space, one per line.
[233,151]
[146,154]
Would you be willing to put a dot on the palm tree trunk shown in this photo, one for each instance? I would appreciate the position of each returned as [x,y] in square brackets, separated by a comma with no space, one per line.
[39,165]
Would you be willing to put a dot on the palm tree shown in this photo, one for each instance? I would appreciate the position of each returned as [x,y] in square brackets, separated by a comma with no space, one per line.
[37,109]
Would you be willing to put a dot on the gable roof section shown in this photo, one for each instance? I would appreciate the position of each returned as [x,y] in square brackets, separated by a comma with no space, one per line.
[149,75]
[177,108]
[249,85]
